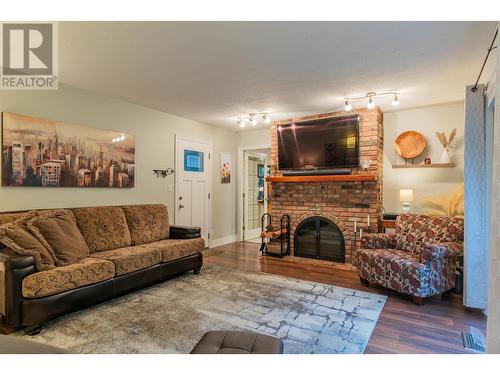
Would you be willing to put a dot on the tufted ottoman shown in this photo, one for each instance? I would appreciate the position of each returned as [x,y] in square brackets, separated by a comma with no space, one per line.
[232,342]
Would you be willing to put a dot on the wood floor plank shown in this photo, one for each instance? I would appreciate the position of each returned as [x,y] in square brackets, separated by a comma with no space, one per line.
[403,327]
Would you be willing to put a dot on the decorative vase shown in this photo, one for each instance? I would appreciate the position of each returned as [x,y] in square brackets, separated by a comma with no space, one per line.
[445,156]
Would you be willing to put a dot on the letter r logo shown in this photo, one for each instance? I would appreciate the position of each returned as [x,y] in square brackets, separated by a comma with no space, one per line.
[27,49]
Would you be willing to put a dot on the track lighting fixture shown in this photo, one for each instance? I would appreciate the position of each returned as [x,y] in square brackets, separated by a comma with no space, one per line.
[371,98]
[253,119]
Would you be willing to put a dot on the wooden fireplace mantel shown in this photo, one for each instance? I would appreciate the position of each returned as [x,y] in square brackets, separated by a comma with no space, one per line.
[325,178]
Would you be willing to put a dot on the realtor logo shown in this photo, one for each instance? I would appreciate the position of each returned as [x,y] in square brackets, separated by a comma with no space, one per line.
[28,56]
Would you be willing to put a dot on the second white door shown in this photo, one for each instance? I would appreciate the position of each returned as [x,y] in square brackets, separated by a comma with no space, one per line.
[192,192]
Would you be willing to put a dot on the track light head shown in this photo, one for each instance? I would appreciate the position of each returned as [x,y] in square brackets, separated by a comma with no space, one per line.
[395,100]
[370,104]
[253,120]
[266,118]
[241,123]
[347,105]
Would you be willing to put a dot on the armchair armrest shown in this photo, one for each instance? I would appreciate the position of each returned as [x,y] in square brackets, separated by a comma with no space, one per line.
[378,241]
[441,251]
[184,233]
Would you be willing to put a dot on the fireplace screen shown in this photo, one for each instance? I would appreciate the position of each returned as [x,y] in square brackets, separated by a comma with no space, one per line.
[320,238]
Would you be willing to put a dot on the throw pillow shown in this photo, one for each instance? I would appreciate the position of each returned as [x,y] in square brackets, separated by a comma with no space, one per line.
[17,237]
[59,233]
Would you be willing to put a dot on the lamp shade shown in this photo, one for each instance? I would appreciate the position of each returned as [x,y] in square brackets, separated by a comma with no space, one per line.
[406,195]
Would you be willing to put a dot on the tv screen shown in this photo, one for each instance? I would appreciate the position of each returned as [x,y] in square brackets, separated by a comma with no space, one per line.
[319,144]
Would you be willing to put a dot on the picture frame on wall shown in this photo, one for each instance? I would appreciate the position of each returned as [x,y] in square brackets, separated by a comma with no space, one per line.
[225,168]
[46,153]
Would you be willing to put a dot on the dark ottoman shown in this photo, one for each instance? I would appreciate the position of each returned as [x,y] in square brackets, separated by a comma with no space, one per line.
[232,342]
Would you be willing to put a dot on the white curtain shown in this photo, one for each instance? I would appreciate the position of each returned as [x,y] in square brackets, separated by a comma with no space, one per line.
[477,177]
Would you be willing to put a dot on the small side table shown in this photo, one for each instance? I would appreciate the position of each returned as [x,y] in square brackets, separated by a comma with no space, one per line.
[388,224]
[388,221]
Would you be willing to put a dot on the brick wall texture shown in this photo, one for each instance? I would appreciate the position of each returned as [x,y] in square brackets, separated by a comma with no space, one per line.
[341,202]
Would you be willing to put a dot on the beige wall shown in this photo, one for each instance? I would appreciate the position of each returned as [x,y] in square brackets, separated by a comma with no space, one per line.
[154,132]
[254,137]
[424,182]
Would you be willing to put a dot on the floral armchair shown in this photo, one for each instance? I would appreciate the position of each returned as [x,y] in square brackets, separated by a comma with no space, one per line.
[419,259]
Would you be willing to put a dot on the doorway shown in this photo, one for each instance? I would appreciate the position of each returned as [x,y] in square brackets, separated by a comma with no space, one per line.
[254,192]
[193,184]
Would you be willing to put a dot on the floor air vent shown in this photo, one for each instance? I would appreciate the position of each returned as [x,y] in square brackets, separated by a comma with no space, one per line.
[472,342]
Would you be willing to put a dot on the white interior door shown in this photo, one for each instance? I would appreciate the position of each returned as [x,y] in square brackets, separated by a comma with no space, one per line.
[192,190]
[255,194]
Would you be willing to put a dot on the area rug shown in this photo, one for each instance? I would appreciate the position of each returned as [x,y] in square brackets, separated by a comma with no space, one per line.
[172,316]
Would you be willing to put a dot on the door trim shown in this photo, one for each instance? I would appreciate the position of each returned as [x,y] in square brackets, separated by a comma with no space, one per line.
[176,188]
[240,209]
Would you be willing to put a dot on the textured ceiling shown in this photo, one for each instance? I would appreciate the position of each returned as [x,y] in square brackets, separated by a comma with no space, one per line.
[213,72]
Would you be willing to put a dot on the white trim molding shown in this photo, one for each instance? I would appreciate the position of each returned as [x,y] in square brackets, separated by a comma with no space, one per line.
[222,241]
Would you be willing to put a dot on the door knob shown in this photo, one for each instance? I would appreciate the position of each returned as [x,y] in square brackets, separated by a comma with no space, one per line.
[181,206]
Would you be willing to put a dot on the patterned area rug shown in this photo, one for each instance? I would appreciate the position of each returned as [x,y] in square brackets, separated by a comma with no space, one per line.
[171,317]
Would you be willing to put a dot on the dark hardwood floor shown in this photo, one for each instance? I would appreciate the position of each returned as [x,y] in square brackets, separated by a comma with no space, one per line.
[403,327]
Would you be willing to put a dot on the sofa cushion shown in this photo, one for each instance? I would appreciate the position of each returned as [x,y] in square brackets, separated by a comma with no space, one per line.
[131,259]
[59,233]
[147,223]
[176,249]
[104,228]
[61,279]
[17,237]
[415,232]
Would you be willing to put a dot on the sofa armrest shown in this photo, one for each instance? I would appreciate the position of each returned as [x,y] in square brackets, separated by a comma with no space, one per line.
[13,260]
[441,251]
[16,268]
[378,241]
[184,233]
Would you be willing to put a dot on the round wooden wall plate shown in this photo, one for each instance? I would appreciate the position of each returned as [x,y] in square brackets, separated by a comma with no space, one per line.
[409,144]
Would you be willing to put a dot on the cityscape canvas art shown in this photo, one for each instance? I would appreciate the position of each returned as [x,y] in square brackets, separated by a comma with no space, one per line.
[37,152]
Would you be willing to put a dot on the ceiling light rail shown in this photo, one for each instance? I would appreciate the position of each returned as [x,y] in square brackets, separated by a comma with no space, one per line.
[252,118]
[370,96]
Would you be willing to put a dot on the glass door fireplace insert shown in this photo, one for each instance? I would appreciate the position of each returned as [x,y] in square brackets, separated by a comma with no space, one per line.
[320,238]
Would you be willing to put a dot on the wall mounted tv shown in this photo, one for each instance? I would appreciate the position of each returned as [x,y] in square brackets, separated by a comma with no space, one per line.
[329,143]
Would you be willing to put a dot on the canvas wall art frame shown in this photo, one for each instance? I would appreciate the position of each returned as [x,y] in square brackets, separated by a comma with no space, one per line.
[46,153]
[225,168]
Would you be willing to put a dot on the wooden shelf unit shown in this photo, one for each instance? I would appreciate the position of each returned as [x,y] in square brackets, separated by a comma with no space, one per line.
[323,178]
[435,165]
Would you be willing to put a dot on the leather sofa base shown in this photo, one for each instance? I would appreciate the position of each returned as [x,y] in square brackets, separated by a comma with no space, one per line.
[39,310]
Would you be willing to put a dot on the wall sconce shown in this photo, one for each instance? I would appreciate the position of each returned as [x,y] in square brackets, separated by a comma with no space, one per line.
[163,172]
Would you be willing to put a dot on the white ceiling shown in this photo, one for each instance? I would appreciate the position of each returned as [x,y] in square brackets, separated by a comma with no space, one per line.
[213,72]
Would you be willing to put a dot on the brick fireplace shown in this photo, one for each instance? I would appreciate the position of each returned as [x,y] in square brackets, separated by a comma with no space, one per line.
[341,200]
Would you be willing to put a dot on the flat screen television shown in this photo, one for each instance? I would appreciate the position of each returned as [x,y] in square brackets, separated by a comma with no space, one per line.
[328,143]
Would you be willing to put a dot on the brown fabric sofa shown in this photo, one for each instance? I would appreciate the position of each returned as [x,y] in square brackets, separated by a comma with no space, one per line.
[125,249]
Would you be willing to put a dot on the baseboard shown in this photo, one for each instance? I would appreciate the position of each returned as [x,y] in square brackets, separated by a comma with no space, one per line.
[222,241]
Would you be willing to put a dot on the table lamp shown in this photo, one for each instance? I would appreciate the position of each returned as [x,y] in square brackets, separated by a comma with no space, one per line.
[405,197]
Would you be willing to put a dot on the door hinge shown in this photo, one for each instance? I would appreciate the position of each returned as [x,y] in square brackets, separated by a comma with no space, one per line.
[209,155]
[208,195]
[209,236]
[243,227]
[243,195]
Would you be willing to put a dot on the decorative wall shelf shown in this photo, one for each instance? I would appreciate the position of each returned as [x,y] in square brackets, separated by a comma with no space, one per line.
[325,178]
[435,165]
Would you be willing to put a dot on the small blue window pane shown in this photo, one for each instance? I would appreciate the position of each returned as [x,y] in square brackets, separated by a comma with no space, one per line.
[193,161]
